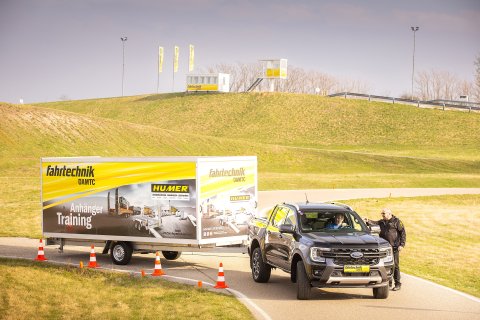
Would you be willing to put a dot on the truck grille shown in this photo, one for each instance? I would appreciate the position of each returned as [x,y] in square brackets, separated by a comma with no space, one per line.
[342,256]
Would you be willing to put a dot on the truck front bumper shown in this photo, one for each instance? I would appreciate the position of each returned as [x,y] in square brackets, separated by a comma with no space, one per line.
[333,276]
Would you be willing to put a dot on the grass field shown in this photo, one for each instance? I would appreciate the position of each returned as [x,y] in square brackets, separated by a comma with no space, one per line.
[27,293]
[443,237]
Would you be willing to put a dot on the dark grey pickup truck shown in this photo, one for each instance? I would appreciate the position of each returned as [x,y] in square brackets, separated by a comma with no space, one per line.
[320,245]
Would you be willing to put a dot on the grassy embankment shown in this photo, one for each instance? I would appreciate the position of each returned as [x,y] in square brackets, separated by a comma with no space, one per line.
[301,142]
[41,291]
[306,141]
[443,237]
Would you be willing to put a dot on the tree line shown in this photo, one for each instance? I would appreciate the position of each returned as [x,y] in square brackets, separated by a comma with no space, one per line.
[429,84]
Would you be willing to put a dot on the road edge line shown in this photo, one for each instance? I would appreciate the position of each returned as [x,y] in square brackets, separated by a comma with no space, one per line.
[463,294]
[245,300]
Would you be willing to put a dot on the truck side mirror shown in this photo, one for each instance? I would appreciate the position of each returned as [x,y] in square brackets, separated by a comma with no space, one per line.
[375,229]
[286,228]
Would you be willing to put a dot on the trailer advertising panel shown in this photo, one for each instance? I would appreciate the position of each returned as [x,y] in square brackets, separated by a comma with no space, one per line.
[178,200]
[227,197]
[137,199]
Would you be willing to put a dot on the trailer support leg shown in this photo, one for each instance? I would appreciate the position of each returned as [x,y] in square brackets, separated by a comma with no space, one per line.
[62,243]
[107,247]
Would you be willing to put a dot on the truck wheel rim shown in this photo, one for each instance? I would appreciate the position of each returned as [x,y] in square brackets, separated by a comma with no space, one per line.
[256,265]
[118,253]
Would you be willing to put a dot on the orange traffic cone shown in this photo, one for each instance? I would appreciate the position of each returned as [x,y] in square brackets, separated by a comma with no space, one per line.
[93,259]
[158,266]
[221,278]
[41,253]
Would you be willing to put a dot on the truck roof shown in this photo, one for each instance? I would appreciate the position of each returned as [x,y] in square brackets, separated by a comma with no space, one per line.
[305,206]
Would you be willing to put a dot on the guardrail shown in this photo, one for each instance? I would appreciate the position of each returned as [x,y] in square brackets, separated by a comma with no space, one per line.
[463,105]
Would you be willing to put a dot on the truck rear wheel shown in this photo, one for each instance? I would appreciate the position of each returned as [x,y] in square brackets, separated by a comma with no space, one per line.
[381,293]
[260,270]
[121,253]
[304,289]
[171,255]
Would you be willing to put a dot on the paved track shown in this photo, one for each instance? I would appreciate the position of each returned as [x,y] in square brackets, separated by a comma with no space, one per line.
[418,299]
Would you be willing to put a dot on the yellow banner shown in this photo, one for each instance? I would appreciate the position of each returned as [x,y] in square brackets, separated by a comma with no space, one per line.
[175,59]
[273,73]
[66,181]
[191,60]
[160,59]
[202,87]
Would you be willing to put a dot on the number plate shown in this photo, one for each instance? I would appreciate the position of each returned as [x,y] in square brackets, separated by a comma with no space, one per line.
[356,269]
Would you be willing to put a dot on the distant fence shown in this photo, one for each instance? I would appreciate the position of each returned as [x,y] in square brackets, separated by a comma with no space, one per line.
[463,105]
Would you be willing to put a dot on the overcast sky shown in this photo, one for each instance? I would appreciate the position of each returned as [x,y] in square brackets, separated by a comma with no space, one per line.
[56,48]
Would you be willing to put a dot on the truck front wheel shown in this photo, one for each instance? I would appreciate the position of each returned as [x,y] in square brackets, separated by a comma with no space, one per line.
[304,289]
[260,270]
[171,255]
[381,293]
[121,253]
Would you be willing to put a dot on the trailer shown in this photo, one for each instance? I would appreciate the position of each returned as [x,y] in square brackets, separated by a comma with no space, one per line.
[208,82]
[148,204]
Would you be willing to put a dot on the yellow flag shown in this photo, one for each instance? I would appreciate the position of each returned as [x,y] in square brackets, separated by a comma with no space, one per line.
[175,60]
[192,57]
[160,59]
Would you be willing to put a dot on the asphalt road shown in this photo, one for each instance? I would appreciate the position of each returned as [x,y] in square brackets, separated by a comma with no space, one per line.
[418,299]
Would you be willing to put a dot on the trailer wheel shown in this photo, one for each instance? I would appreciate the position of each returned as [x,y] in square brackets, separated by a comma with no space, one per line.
[121,253]
[171,255]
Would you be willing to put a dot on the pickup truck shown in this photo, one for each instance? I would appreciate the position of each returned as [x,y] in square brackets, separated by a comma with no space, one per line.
[321,245]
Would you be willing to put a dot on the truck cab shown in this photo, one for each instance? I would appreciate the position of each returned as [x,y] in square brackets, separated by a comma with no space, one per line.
[320,245]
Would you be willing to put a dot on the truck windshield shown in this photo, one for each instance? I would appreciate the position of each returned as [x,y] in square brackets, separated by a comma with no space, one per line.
[331,221]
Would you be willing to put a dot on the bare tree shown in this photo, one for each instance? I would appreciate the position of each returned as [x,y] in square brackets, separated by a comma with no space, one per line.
[440,85]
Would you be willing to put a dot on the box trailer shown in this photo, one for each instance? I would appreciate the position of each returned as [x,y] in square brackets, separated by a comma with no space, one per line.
[208,82]
[168,204]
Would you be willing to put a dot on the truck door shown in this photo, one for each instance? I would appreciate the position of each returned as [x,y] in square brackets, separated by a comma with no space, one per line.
[286,241]
[274,242]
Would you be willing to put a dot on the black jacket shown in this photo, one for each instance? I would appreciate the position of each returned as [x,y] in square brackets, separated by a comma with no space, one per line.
[392,230]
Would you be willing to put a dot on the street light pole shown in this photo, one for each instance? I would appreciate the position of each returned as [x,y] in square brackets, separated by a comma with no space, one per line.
[124,39]
[414,29]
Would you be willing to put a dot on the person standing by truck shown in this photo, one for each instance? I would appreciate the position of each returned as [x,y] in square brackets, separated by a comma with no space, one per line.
[392,230]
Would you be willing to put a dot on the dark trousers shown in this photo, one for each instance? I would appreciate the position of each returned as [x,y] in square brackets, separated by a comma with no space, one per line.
[396,270]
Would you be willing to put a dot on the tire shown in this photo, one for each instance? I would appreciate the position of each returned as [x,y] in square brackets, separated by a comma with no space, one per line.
[381,292]
[304,289]
[121,253]
[171,255]
[261,271]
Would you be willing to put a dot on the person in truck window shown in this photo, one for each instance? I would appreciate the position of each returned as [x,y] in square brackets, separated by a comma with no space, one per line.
[338,222]
[392,230]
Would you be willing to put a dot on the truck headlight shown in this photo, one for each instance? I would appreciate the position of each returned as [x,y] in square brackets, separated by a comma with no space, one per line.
[389,256]
[316,254]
